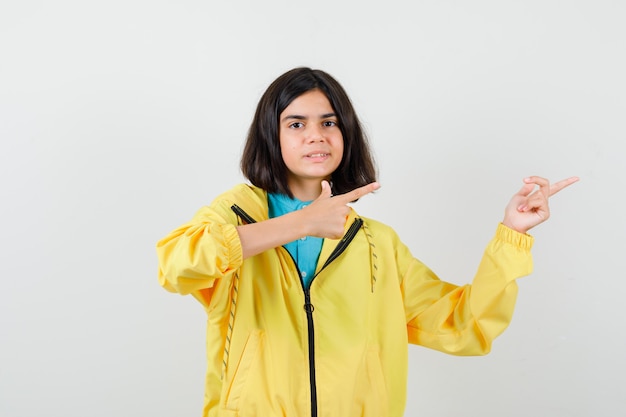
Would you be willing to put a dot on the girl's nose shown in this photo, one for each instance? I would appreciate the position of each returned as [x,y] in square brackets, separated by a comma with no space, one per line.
[315,134]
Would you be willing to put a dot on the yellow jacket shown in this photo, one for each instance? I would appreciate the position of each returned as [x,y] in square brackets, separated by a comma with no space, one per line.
[338,349]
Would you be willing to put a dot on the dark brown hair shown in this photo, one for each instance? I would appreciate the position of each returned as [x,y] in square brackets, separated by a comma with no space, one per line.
[262,162]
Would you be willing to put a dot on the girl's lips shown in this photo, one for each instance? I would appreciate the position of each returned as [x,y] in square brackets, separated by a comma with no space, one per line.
[316,157]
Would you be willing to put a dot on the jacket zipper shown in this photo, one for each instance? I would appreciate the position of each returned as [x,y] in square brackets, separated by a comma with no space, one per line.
[343,244]
[308,306]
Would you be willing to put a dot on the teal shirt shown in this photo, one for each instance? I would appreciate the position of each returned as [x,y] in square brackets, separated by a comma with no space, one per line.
[305,251]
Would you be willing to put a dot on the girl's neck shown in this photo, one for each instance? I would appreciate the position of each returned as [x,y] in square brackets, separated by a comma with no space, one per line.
[306,190]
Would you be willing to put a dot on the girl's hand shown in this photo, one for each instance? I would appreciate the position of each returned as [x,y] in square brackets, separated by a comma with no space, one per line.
[326,216]
[527,209]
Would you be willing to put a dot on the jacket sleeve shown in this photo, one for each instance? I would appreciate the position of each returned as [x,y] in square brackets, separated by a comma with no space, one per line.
[464,320]
[192,257]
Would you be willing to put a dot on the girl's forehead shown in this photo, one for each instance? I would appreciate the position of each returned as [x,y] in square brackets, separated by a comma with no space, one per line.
[310,101]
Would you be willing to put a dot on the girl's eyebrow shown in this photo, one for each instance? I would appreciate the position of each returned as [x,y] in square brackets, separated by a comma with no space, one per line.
[299,117]
[293,116]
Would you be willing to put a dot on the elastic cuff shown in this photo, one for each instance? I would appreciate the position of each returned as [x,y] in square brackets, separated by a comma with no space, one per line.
[508,235]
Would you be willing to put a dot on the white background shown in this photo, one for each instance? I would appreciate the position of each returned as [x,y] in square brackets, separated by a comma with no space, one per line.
[119,119]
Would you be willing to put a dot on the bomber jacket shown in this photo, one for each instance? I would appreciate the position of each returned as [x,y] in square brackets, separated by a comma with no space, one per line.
[339,347]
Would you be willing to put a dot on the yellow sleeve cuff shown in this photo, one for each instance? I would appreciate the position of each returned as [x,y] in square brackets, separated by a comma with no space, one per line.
[520,240]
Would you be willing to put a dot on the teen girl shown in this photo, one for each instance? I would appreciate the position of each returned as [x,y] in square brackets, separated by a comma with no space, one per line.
[310,306]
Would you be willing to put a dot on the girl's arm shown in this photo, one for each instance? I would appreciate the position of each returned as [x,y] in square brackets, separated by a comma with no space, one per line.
[325,217]
[464,320]
[258,237]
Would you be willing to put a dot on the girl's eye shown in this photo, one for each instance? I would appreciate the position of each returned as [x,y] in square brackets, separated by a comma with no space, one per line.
[329,123]
[296,125]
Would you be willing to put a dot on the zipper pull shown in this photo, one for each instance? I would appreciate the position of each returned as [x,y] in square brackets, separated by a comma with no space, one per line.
[308,307]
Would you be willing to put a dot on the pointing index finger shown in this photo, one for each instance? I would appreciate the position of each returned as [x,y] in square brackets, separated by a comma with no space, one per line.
[358,192]
[558,186]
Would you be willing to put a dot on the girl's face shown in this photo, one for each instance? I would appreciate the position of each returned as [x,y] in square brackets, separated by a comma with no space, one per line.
[310,142]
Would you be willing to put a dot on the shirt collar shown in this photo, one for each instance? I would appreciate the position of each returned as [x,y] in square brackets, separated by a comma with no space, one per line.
[280,204]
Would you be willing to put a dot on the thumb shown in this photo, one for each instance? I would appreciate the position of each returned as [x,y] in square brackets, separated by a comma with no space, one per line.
[326,191]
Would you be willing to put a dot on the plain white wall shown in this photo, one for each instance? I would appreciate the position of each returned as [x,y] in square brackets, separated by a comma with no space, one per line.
[119,119]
